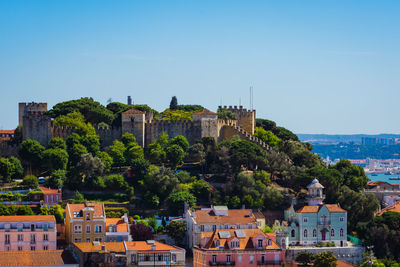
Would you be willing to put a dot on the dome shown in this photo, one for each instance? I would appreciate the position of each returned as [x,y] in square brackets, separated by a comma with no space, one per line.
[315,184]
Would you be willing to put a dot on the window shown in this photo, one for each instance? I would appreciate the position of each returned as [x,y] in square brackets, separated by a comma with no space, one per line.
[174,257]
[88,240]
[45,237]
[97,229]
[341,233]
[228,258]
[19,248]
[33,239]
[314,233]
[214,258]
[88,229]
[45,248]
[77,240]
[202,228]
[269,242]
[238,226]
[341,219]
[214,227]
[293,233]
[97,239]
[7,239]
[20,237]
[262,259]
[33,248]
[305,219]
[78,229]
[260,243]
[88,217]
[333,232]
[133,259]
[226,226]
[19,227]
[250,226]
[32,227]
[240,258]
[217,243]
[305,233]
[251,259]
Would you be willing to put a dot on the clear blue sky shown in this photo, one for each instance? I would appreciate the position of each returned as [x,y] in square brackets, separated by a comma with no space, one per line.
[316,66]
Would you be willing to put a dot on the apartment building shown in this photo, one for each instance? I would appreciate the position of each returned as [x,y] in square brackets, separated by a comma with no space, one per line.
[117,229]
[22,233]
[85,222]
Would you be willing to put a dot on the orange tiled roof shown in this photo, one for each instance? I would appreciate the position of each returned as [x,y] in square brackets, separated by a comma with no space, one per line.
[205,112]
[46,190]
[27,218]
[259,215]
[245,242]
[98,208]
[315,209]
[39,257]
[234,216]
[122,227]
[395,208]
[144,246]
[96,246]
[133,111]
[7,131]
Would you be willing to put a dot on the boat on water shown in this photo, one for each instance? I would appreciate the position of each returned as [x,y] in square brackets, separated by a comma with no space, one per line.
[388,173]
[374,174]
[394,178]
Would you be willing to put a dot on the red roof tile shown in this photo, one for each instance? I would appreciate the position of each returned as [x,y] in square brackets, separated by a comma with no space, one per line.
[28,218]
[98,208]
[205,112]
[133,111]
[234,216]
[39,257]
[122,227]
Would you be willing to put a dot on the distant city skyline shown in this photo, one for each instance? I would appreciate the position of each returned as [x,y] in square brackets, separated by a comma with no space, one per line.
[316,67]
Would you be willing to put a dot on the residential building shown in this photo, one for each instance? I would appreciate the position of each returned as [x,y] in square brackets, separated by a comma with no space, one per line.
[6,135]
[394,208]
[42,258]
[207,220]
[153,253]
[50,196]
[316,222]
[22,233]
[85,222]
[385,192]
[99,253]
[117,229]
[234,247]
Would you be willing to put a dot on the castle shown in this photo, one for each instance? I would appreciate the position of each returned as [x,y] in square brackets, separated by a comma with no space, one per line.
[37,125]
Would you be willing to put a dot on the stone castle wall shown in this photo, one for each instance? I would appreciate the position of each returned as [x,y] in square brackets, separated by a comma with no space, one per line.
[246,118]
[37,126]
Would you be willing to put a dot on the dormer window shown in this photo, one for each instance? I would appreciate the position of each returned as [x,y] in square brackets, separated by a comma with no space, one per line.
[260,243]
[269,242]
[88,216]
[217,243]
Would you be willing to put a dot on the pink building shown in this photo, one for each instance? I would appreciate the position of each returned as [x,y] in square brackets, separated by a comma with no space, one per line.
[235,247]
[36,232]
[50,196]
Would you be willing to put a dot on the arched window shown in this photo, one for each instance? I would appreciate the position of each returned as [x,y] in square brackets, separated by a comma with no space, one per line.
[269,242]
[333,232]
[305,233]
[293,233]
[217,243]
[341,232]
[283,243]
[314,233]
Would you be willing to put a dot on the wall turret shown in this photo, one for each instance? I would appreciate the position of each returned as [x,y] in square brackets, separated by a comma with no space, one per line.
[246,118]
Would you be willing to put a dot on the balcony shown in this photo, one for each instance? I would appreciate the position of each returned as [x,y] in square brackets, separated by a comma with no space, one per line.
[269,263]
[324,222]
[222,263]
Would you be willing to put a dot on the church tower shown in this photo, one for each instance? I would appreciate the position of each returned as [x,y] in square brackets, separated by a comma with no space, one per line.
[315,195]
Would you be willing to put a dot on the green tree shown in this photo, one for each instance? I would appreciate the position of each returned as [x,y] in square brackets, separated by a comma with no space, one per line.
[325,259]
[174,103]
[273,198]
[196,153]
[354,176]
[30,180]
[267,136]
[140,167]
[132,152]
[31,152]
[4,211]
[115,182]
[177,231]
[262,176]
[55,210]
[24,210]
[90,166]
[75,153]
[176,201]
[57,179]
[200,189]
[305,258]
[18,169]
[57,142]
[128,138]
[180,141]
[175,155]
[79,196]
[91,142]
[107,160]
[267,229]
[55,159]
[6,169]
[226,114]
[116,151]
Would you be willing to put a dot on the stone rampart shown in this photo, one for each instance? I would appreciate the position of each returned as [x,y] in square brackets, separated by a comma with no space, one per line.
[8,150]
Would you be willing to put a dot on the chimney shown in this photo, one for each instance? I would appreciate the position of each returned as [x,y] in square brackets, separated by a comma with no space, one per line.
[250,212]
[129,100]
[243,206]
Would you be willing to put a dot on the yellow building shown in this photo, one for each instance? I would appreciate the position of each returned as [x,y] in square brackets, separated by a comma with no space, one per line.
[85,222]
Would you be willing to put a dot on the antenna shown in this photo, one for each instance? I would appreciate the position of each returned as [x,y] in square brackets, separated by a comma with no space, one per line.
[240,101]
[251,97]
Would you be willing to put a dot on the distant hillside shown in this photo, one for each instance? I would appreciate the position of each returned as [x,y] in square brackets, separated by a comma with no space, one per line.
[340,138]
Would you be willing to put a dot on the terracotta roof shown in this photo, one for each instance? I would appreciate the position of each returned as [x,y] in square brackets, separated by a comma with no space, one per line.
[314,209]
[27,218]
[145,246]
[133,111]
[205,112]
[334,208]
[339,264]
[395,208]
[308,209]
[234,216]
[39,257]
[122,227]
[259,215]
[46,190]
[88,247]
[246,241]
[7,131]
[98,208]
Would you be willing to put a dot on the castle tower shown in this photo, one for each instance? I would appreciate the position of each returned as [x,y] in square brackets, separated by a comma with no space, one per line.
[35,124]
[133,121]
[246,118]
[208,122]
[315,195]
